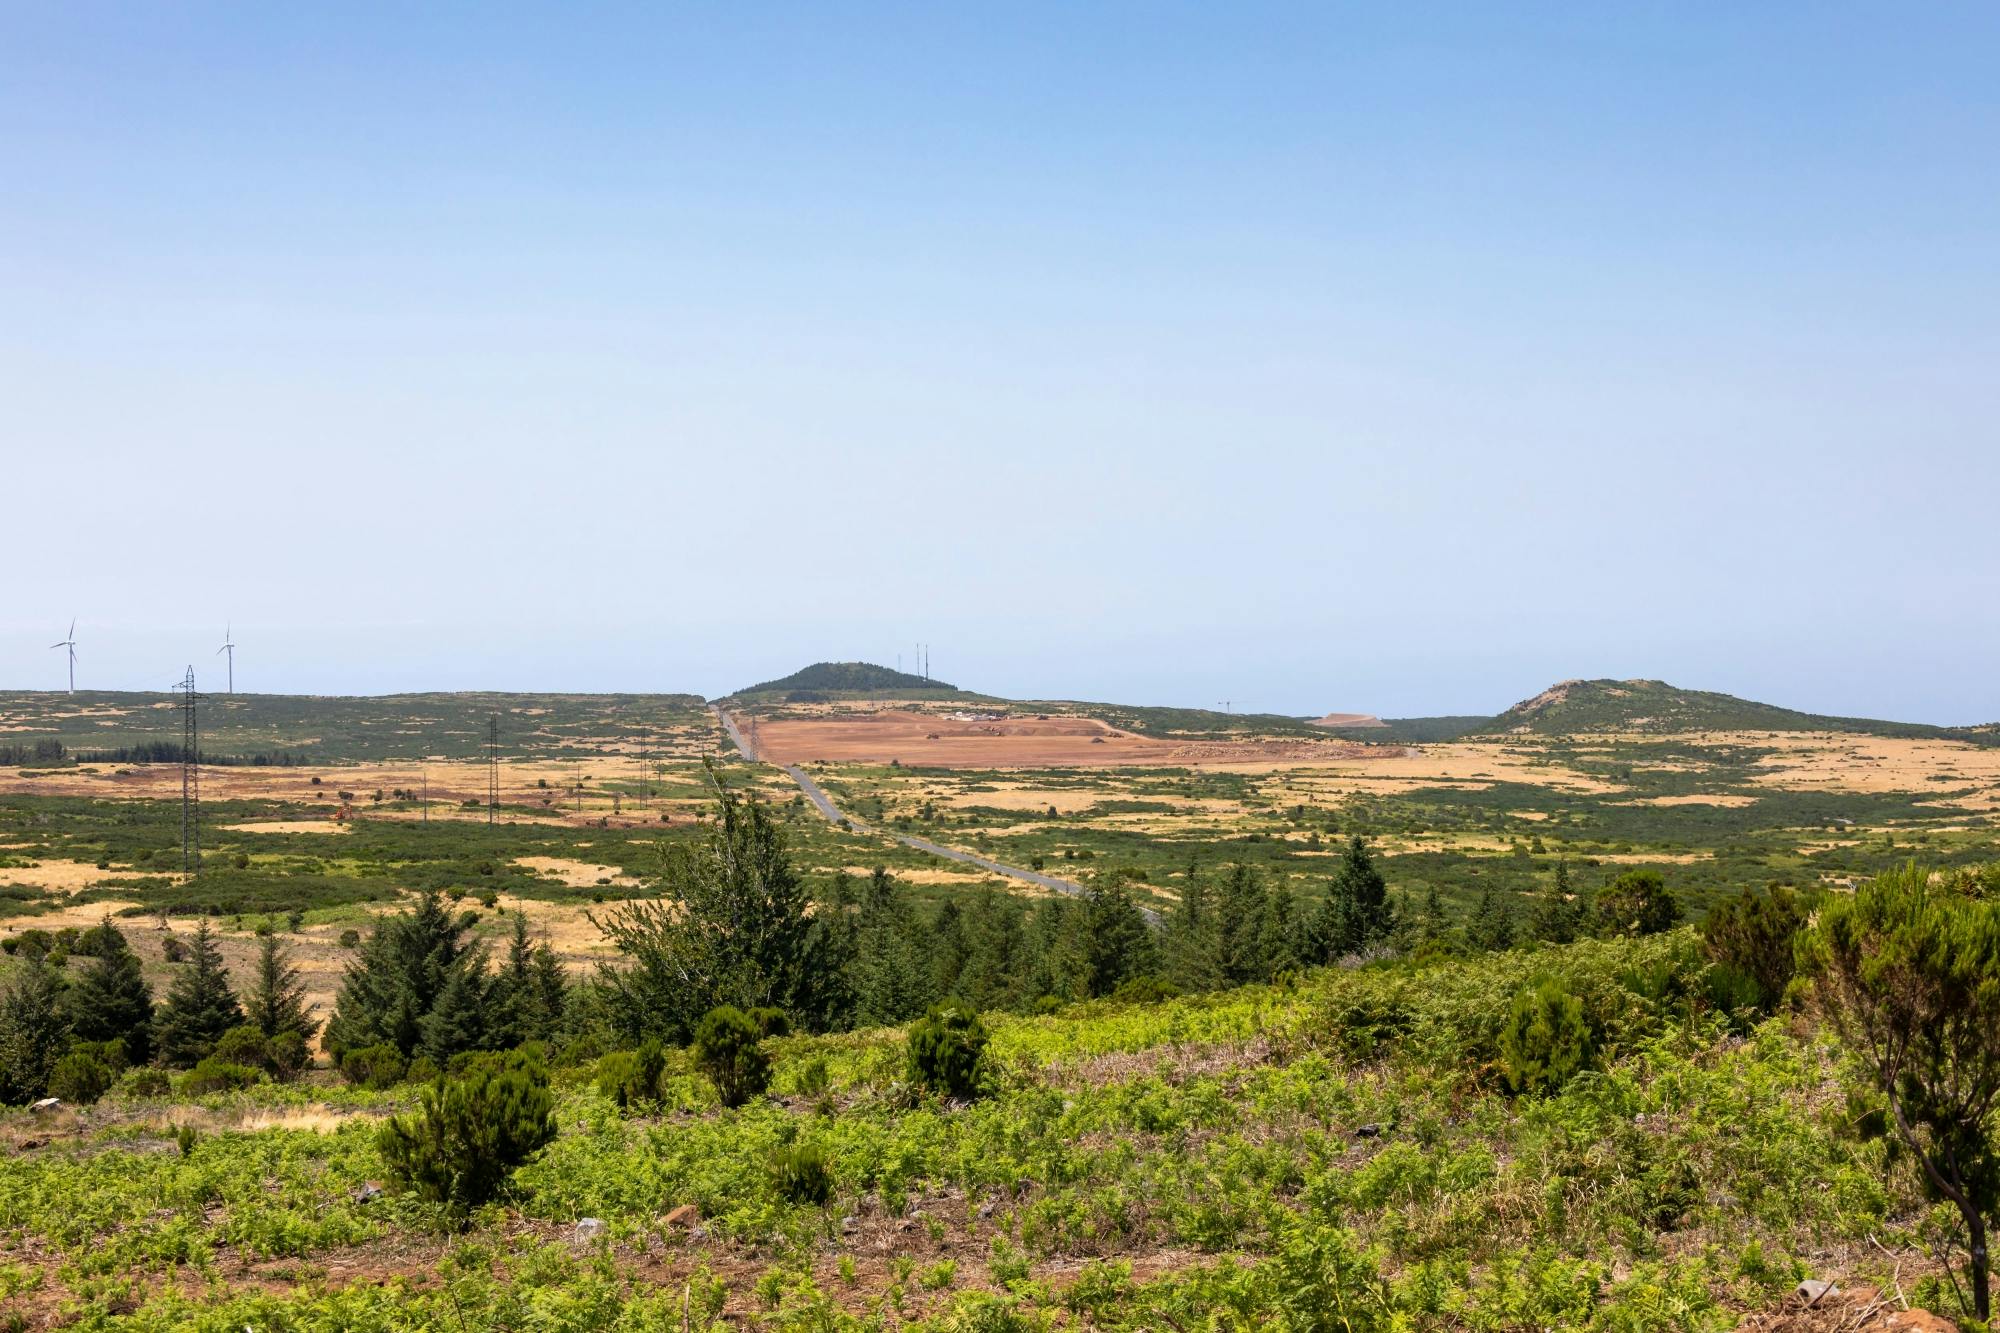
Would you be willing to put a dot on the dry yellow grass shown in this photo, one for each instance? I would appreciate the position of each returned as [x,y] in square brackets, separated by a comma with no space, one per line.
[575,874]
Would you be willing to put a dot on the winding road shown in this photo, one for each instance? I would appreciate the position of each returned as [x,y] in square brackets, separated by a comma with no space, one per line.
[824,804]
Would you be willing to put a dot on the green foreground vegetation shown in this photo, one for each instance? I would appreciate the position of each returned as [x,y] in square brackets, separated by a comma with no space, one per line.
[1417,1124]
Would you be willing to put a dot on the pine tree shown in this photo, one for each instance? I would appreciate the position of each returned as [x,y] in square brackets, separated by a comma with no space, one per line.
[1061,950]
[732,928]
[1281,932]
[992,974]
[892,967]
[277,999]
[1243,954]
[1356,913]
[1188,943]
[1558,914]
[110,1000]
[200,1006]
[463,1019]
[34,1032]
[402,971]
[1492,926]
[1118,945]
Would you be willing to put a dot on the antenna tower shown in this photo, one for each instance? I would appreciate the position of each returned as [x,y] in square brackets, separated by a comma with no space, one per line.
[190,776]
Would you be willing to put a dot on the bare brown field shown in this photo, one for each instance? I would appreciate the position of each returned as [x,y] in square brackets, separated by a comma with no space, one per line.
[1052,741]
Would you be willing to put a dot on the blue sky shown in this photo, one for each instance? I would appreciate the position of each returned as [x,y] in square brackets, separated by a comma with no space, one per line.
[1401,360]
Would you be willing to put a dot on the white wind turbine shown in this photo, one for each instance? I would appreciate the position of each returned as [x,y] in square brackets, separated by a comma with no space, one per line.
[229,646]
[69,643]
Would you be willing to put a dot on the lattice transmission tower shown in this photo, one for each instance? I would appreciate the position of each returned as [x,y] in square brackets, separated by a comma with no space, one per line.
[190,775]
[492,766]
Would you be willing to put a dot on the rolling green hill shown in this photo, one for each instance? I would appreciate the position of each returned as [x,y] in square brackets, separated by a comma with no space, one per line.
[837,679]
[1580,706]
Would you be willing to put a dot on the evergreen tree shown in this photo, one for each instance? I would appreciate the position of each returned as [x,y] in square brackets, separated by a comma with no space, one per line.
[530,994]
[731,928]
[995,961]
[1061,950]
[1281,932]
[1356,914]
[1432,928]
[1188,941]
[464,1017]
[402,971]
[200,1007]
[1492,926]
[1118,945]
[1638,902]
[1558,917]
[277,999]
[110,1000]
[1243,951]
[34,1032]
[893,972]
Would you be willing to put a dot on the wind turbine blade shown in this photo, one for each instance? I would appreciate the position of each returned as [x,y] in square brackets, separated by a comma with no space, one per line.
[63,644]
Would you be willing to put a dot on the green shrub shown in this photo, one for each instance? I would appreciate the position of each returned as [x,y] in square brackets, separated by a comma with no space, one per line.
[462,1145]
[1638,902]
[375,1067]
[214,1074]
[350,938]
[1546,1039]
[112,1053]
[185,1138]
[81,1078]
[245,1045]
[1749,939]
[628,1077]
[726,1049]
[771,1021]
[947,1052]
[800,1174]
[147,1081]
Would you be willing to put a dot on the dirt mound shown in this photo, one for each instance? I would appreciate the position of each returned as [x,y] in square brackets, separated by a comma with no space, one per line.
[1349,720]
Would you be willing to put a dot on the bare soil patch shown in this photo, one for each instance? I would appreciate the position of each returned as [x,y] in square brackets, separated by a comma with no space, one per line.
[1056,740]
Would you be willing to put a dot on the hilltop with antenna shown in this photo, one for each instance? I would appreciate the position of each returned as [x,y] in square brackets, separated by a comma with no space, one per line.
[842,680]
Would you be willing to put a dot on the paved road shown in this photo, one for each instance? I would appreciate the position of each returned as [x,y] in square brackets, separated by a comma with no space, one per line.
[824,804]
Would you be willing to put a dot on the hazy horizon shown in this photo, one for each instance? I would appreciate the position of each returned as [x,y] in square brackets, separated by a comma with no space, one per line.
[1401,363]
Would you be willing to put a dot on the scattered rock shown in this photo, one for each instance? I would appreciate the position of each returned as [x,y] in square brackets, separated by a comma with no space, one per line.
[1371,1130]
[368,1193]
[986,1209]
[684,1216]
[589,1228]
[1920,1321]
[1812,1291]
[46,1104]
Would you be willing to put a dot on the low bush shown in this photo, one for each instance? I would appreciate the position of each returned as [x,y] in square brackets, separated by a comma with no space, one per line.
[947,1050]
[80,1078]
[771,1021]
[462,1145]
[629,1077]
[727,1050]
[1750,939]
[213,1074]
[800,1174]
[374,1067]
[1546,1039]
